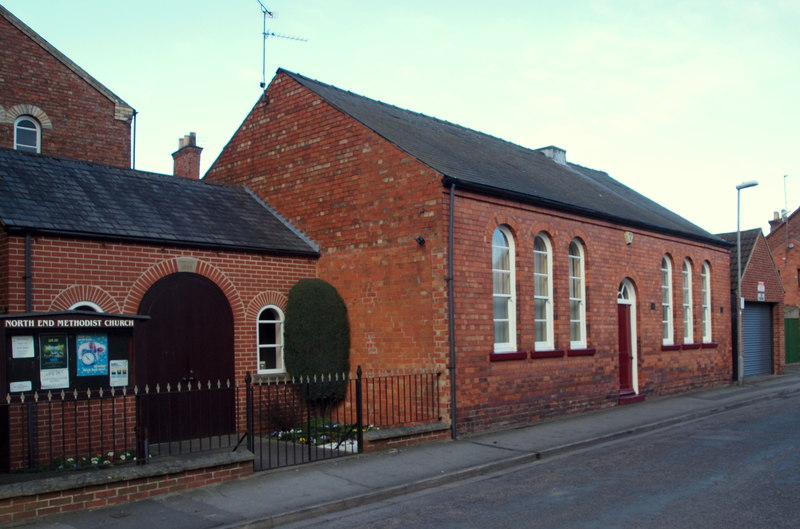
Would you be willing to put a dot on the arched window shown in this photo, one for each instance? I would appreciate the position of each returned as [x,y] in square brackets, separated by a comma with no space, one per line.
[705,279]
[27,134]
[688,315]
[666,301]
[503,291]
[577,296]
[270,340]
[543,292]
[87,306]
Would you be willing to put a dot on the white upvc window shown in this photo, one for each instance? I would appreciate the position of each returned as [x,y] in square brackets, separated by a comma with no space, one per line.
[543,293]
[705,279]
[577,296]
[666,301]
[270,340]
[27,134]
[688,314]
[503,291]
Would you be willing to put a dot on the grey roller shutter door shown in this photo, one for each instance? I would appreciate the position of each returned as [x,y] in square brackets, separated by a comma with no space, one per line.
[757,339]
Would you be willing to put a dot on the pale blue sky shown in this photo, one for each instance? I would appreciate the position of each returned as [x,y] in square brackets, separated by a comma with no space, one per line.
[681,99]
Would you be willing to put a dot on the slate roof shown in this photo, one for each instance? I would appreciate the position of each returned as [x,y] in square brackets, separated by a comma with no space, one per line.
[61,196]
[749,238]
[486,164]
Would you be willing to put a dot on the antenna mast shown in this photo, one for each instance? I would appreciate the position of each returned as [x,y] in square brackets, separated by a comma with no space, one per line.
[269,14]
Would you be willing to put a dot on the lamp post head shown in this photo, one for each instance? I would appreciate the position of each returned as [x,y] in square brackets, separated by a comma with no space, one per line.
[745,185]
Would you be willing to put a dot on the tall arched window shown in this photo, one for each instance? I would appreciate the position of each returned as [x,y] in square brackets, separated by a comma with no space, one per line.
[503,291]
[543,292]
[688,315]
[577,296]
[270,340]
[666,301]
[27,134]
[705,278]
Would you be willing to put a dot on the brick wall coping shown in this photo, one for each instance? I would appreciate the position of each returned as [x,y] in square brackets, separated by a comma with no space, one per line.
[75,479]
[404,431]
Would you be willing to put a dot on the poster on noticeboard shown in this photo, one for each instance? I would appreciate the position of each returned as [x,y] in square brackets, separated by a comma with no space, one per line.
[92,354]
[54,366]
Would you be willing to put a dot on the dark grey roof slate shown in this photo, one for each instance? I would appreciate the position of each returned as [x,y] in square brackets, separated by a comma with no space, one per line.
[487,164]
[70,197]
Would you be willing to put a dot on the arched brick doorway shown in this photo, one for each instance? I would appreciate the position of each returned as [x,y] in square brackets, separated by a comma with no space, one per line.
[189,339]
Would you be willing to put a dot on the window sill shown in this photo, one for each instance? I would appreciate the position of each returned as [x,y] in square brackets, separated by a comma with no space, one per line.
[710,345]
[502,357]
[588,351]
[673,347]
[556,353]
[687,346]
[268,376]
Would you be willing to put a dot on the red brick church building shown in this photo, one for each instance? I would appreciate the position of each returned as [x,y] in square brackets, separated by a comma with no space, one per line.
[542,287]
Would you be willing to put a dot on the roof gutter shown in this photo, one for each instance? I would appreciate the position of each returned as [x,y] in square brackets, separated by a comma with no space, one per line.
[552,204]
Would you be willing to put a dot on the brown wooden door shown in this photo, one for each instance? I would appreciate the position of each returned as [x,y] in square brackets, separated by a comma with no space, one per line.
[189,339]
[625,352]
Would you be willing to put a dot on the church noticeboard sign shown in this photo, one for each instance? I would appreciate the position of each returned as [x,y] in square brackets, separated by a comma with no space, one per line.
[66,350]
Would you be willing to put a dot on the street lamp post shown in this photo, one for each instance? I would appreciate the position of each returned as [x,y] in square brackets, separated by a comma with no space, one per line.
[739,301]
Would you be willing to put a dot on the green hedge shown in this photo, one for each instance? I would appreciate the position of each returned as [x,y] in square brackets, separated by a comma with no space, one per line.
[317,338]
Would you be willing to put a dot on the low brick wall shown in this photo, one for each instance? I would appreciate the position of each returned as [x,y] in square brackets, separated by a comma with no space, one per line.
[76,490]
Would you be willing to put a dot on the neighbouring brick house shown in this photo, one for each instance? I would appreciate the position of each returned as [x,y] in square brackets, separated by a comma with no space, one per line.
[541,286]
[49,104]
[762,316]
[783,240]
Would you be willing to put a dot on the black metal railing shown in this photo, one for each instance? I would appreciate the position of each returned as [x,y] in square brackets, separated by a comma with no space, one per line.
[284,421]
[288,426]
[89,428]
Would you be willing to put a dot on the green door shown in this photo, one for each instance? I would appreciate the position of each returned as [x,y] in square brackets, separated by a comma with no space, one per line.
[792,334]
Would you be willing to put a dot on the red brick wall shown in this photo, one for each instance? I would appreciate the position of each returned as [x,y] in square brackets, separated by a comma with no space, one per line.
[116,276]
[493,394]
[83,123]
[787,259]
[126,491]
[364,202]
[4,279]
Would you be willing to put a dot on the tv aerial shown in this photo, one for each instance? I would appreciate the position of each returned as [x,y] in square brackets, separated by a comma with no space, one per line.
[269,14]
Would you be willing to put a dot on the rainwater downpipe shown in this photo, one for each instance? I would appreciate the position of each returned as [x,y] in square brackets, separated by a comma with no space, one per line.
[451,314]
[28,273]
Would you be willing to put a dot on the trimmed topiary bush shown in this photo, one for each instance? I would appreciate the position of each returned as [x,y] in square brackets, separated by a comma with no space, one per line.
[317,339]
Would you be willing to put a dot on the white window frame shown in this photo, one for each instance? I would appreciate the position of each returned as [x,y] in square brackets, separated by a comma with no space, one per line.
[93,306]
[506,299]
[277,347]
[37,128]
[543,341]
[705,279]
[667,333]
[577,294]
[688,313]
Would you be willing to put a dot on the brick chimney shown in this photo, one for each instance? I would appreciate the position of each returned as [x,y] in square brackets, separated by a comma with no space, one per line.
[187,157]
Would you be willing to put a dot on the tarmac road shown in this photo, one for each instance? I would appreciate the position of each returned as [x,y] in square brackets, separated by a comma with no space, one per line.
[737,469]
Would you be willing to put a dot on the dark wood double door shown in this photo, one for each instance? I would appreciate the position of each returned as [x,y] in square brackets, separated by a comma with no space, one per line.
[186,344]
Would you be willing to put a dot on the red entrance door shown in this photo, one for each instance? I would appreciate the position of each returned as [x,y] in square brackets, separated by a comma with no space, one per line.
[188,340]
[625,352]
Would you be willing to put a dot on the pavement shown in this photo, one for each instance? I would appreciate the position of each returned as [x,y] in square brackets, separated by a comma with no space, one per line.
[273,498]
